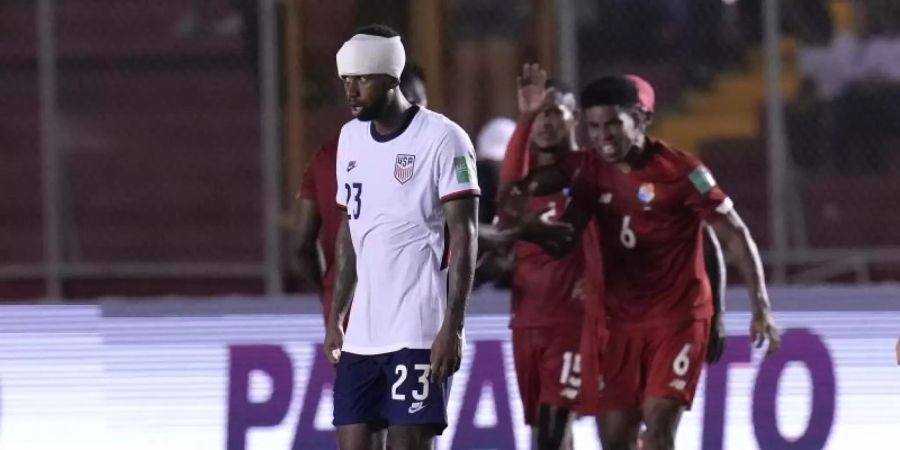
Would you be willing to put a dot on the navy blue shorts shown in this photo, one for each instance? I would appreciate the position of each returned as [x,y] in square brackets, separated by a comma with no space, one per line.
[389,389]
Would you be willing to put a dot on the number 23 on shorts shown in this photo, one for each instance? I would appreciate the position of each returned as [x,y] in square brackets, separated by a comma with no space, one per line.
[402,372]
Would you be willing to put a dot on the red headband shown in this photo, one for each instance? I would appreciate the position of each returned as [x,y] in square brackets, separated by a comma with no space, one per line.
[646,95]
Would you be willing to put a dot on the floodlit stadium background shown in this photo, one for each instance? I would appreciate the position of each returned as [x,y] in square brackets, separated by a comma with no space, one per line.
[151,150]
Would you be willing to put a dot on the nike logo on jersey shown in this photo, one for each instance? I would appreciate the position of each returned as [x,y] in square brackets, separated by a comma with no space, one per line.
[351,165]
[416,407]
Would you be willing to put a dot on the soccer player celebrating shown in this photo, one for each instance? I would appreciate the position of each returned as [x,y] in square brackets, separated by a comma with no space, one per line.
[548,294]
[406,177]
[535,101]
[319,216]
[651,201]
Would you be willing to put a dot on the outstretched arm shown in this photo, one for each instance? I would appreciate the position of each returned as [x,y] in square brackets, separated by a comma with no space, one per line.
[715,270]
[740,248]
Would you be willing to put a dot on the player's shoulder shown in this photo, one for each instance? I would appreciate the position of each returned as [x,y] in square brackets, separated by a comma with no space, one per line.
[352,128]
[328,148]
[326,154]
[440,126]
[672,160]
[578,161]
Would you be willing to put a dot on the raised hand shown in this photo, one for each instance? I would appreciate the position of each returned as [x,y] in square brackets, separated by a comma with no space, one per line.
[533,91]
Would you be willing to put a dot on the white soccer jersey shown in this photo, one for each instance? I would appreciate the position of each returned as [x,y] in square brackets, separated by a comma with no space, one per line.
[393,188]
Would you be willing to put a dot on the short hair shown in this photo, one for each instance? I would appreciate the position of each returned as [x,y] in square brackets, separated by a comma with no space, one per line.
[565,91]
[560,86]
[377,29]
[411,71]
[610,91]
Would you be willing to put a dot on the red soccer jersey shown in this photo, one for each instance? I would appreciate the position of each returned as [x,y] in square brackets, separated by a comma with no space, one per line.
[651,217]
[320,185]
[548,291]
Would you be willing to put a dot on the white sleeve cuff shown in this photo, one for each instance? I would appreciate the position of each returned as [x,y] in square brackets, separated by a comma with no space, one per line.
[725,207]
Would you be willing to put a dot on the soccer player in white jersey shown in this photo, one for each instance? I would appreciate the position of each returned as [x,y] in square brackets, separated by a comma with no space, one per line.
[406,177]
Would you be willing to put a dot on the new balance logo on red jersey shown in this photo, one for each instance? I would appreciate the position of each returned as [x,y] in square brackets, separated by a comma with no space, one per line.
[678,384]
[569,393]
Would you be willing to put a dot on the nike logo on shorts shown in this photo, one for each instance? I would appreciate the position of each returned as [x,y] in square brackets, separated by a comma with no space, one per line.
[416,407]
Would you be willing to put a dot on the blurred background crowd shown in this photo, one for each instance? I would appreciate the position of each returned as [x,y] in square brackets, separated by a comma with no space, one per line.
[155,147]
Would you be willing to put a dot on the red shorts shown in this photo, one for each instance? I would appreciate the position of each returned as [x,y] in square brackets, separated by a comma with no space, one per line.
[594,336]
[548,367]
[653,362]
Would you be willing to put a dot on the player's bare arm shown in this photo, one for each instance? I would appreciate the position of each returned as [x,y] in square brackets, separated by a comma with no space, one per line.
[740,248]
[308,221]
[496,253]
[556,238]
[462,223]
[715,270]
[344,283]
[533,97]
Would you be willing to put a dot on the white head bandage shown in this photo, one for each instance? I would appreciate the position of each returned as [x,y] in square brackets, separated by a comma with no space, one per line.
[365,54]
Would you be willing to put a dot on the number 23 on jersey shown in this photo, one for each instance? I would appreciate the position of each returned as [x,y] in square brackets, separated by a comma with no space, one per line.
[354,191]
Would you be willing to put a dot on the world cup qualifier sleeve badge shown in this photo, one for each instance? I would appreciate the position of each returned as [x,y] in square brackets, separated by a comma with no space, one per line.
[404,167]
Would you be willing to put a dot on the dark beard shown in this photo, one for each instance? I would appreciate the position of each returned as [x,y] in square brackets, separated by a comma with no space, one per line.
[370,113]
[554,149]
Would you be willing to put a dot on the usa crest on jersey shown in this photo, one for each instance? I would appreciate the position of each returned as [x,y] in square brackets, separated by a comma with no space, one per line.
[403,168]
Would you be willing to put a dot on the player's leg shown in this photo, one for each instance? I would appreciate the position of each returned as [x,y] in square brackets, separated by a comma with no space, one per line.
[411,437]
[554,428]
[619,428]
[360,436]
[675,358]
[547,423]
[359,389]
[661,416]
[526,359]
[416,406]
[560,383]
[594,337]
[621,391]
